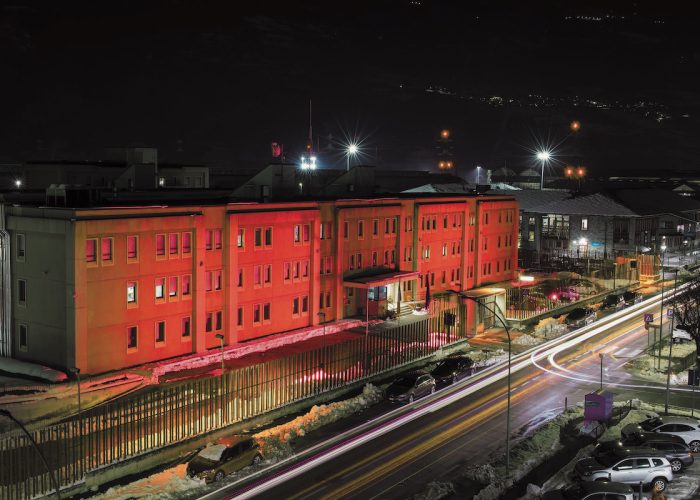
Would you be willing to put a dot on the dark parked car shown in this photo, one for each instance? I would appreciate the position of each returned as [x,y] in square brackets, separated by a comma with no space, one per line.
[678,454]
[410,386]
[452,369]
[593,491]
[227,455]
[640,438]
[581,316]
[632,298]
[613,301]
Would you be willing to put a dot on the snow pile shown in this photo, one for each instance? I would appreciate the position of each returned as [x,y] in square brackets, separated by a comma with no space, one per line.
[550,327]
[526,339]
[170,483]
[275,442]
[486,358]
[482,473]
[18,367]
[435,491]
[633,417]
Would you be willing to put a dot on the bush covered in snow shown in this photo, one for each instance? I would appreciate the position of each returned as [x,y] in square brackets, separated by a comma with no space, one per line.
[435,491]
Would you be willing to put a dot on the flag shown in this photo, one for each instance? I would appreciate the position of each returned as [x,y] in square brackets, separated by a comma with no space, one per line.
[276,149]
[427,292]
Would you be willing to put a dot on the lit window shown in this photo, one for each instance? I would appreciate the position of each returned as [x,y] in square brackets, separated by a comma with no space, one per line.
[132,248]
[131,292]
[91,250]
[160,288]
[297,233]
[584,224]
[240,240]
[172,286]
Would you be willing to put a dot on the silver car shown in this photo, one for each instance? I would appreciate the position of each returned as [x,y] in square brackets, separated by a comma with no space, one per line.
[636,466]
[686,428]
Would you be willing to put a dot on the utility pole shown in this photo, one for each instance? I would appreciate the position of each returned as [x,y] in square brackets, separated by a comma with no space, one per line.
[670,349]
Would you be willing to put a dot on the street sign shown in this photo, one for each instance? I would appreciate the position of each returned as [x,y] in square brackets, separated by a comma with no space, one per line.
[526,292]
[669,313]
[648,317]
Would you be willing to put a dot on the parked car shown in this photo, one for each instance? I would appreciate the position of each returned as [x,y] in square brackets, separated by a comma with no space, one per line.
[678,454]
[452,369]
[227,455]
[592,491]
[684,427]
[632,298]
[642,437]
[681,334]
[629,466]
[565,293]
[411,386]
[581,316]
[613,301]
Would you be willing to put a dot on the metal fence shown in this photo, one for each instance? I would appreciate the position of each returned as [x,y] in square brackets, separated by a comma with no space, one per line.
[126,428]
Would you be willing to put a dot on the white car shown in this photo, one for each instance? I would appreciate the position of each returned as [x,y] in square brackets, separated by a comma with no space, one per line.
[686,428]
[681,335]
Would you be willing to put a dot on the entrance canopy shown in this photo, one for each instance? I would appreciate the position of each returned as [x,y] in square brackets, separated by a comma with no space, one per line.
[380,279]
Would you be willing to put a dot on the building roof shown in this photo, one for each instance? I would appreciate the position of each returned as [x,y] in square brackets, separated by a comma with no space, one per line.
[656,201]
[564,202]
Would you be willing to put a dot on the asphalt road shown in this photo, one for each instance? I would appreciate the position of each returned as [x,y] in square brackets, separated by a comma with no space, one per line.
[438,445]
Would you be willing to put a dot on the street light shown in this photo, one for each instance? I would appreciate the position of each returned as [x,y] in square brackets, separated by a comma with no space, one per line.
[544,157]
[505,326]
[478,172]
[18,183]
[352,150]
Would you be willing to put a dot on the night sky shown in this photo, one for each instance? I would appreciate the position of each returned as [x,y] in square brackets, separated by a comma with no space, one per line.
[216,82]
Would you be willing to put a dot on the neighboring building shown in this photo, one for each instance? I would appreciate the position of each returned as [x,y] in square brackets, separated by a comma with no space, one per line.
[107,288]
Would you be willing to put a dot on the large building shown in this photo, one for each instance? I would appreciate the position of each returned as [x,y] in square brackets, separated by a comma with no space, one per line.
[106,288]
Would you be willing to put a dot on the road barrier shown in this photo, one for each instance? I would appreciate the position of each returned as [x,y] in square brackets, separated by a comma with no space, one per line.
[166,415]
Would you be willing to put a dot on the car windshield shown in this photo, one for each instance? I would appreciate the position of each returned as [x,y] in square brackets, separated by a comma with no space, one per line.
[405,381]
[447,365]
[610,299]
[212,453]
[651,424]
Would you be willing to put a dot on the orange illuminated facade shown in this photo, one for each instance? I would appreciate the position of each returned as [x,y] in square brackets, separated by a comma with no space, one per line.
[107,288]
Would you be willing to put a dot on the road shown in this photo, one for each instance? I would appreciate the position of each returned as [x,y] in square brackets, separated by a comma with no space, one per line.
[462,426]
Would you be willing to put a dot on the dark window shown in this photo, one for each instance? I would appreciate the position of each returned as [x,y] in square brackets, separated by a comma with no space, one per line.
[186,327]
[22,292]
[160,331]
[132,337]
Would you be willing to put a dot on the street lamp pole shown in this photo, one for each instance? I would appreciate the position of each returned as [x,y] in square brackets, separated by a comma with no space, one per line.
[661,313]
[505,326]
[670,349]
[543,156]
[478,176]
[601,356]
[352,149]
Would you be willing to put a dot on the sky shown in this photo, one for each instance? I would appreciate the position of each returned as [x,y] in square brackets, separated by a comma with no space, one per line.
[217,82]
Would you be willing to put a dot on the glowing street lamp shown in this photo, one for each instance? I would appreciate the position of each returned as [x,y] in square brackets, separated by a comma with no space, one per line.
[352,150]
[308,163]
[478,172]
[18,183]
[544,157]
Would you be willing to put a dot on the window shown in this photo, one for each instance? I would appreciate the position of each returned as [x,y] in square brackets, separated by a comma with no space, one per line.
[268,236]
[295,306]
[305,269]
[207,281]
[132,248]
[306,232]
[297,233]
[359,261]
[434,219]
[186,243]
[186,326]
[320,300]
[21,250]
[408,224]
[326,230]
[91,250]
[267,274]
[218,279]
[160,288]
[22,292]
[209,322]
[444,277]
[352,261]
[172,287]
[160,332]
[208,239]
[444,249]
[375,227]
[486,218]
[387,226]
[408,254]
[305,304]
[160,245]
[329,264]
[219,320]
[444,221]
[107,244]
[266,311]
[346,229]
[393,225]
[22,337]
[531,235]
[256,314]
[132,337]
[584,223]
[257,276]
[240,278]
[386,257]
[131,292]
[218,239]
[240,240]
[361,229]
[393,256]
[174,244]
[258,241]
[186,285]
[297,266]
[287,271]
[328,299]
[374,259]
[239,319]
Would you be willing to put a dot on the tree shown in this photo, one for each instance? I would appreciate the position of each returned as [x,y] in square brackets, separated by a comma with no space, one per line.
[686,307]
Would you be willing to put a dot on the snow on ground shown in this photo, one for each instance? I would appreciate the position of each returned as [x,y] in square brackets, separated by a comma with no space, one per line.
[435,491]
[172,483]
[486,357]
[18,367]
[526,339]
[643,365]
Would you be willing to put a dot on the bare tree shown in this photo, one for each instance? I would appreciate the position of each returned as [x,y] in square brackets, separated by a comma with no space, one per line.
[687,312]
